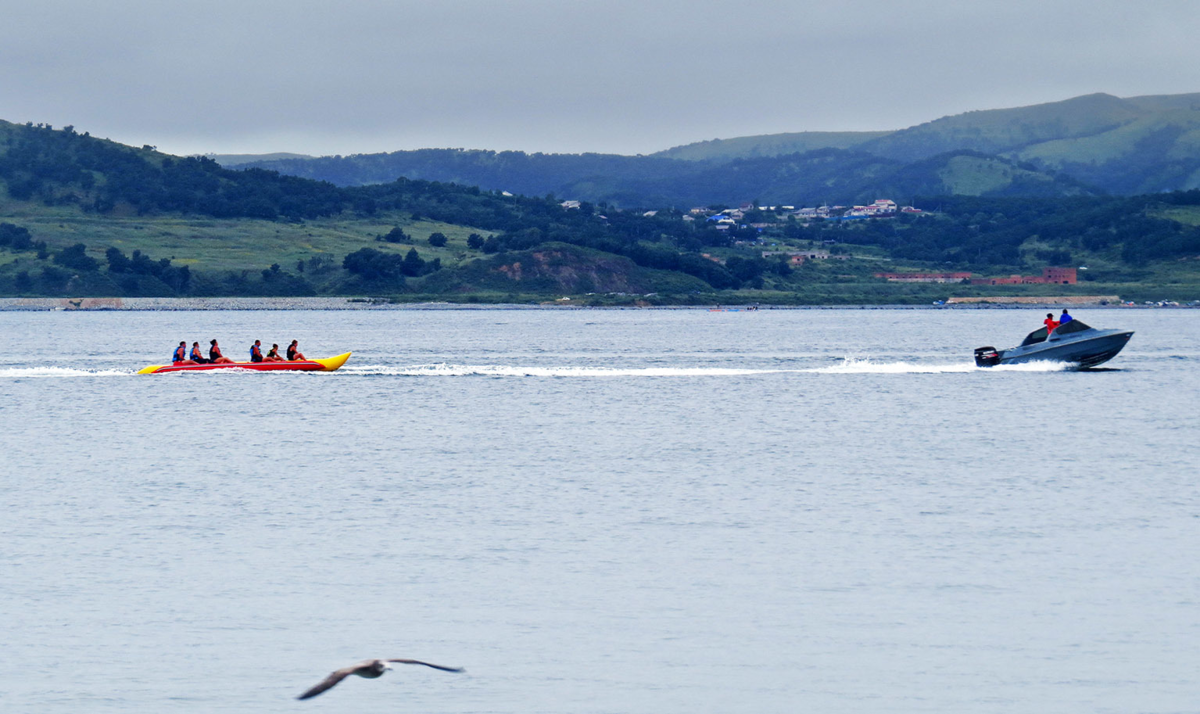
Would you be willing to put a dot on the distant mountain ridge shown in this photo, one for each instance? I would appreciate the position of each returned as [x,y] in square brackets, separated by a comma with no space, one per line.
[824,175]
[1097,143]
[230,161]
[752,147]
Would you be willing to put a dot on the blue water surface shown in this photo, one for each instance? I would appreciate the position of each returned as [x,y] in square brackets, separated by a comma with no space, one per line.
[599,511]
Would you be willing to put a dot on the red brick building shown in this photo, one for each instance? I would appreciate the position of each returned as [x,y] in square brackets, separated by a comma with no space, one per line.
[1057,276]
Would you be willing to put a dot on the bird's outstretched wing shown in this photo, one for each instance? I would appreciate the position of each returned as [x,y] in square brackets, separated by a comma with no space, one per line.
[417,661]
[330,681]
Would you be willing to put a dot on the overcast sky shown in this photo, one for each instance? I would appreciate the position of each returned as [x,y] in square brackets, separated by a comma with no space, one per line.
[538,75]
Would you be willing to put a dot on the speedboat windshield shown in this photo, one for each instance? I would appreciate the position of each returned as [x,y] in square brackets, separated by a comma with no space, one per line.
[1073,326]
[1039,335]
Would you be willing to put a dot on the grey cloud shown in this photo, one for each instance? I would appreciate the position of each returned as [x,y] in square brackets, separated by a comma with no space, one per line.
[563,76]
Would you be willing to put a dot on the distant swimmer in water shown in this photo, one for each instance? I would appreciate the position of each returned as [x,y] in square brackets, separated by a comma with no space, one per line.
[256,351]
[293,352]
[179,356]
[215,356]
[197,357]
[1050,323]
[273,355]
[1065,318]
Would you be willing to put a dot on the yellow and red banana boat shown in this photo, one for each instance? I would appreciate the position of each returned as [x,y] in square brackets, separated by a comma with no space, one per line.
[328,364]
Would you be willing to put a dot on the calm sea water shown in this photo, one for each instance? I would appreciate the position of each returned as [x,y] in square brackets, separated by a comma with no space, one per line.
[599,511]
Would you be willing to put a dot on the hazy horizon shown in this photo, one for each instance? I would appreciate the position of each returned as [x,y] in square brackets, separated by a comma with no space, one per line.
[556,77]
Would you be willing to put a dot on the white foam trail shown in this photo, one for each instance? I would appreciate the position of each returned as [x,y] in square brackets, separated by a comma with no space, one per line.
[849,366]
[866,366]
[462,370]
[22,372]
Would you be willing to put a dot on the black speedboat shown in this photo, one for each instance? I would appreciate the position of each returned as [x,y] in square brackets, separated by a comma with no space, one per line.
[1072,342]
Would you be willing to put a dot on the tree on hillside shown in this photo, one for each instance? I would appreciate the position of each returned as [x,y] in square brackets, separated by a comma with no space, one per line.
[117,261]
[474,241]
[413,264]
[396,235]
[437,240]
[17,238]
[76,257]
[371,264]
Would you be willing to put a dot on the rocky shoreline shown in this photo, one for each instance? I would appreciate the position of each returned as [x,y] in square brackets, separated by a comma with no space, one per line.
[343,303]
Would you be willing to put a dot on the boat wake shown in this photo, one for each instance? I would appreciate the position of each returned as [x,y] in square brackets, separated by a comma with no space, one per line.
[865,366]
[848,366]
[24,372]
[459,370]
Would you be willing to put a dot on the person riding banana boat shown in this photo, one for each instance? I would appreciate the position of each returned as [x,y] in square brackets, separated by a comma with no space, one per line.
[272,361]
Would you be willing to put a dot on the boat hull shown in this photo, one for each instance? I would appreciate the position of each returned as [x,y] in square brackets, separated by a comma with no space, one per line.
[327,364]
[1089,352]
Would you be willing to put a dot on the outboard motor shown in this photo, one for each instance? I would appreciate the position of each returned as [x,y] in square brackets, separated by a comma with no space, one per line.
[986,357]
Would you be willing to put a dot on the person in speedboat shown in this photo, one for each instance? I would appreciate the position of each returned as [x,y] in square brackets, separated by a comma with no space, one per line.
[1050,323]
[1065,318]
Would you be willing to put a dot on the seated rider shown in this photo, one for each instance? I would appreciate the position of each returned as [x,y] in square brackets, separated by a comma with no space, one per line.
[179,356]
[197,357]
[1065,318]
[293,352]
[1050,323]
[256,351]
[273,355]
[215,356]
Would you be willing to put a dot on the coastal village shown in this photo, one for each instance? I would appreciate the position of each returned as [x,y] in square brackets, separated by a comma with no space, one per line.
[729,218]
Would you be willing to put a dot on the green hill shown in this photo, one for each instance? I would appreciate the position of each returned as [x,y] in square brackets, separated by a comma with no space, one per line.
[751,147]
[1123,146]
[232,160]
[84,216]
[1091,144]
[998,131]
[832,175]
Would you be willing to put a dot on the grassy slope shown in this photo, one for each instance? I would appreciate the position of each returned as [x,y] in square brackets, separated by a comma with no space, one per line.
[1096,138]
[1187,215]
[234,244]
[976,176]
[1112,144]
[997,130]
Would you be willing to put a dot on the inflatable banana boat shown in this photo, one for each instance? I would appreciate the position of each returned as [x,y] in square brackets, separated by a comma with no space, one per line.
[328,364]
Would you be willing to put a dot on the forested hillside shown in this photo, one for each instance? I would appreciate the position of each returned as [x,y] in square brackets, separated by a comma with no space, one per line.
[825,175]
[84,216]
[1092,144]
[753,147]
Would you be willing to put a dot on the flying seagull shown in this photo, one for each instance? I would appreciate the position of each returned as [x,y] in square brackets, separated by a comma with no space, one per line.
[369,668]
